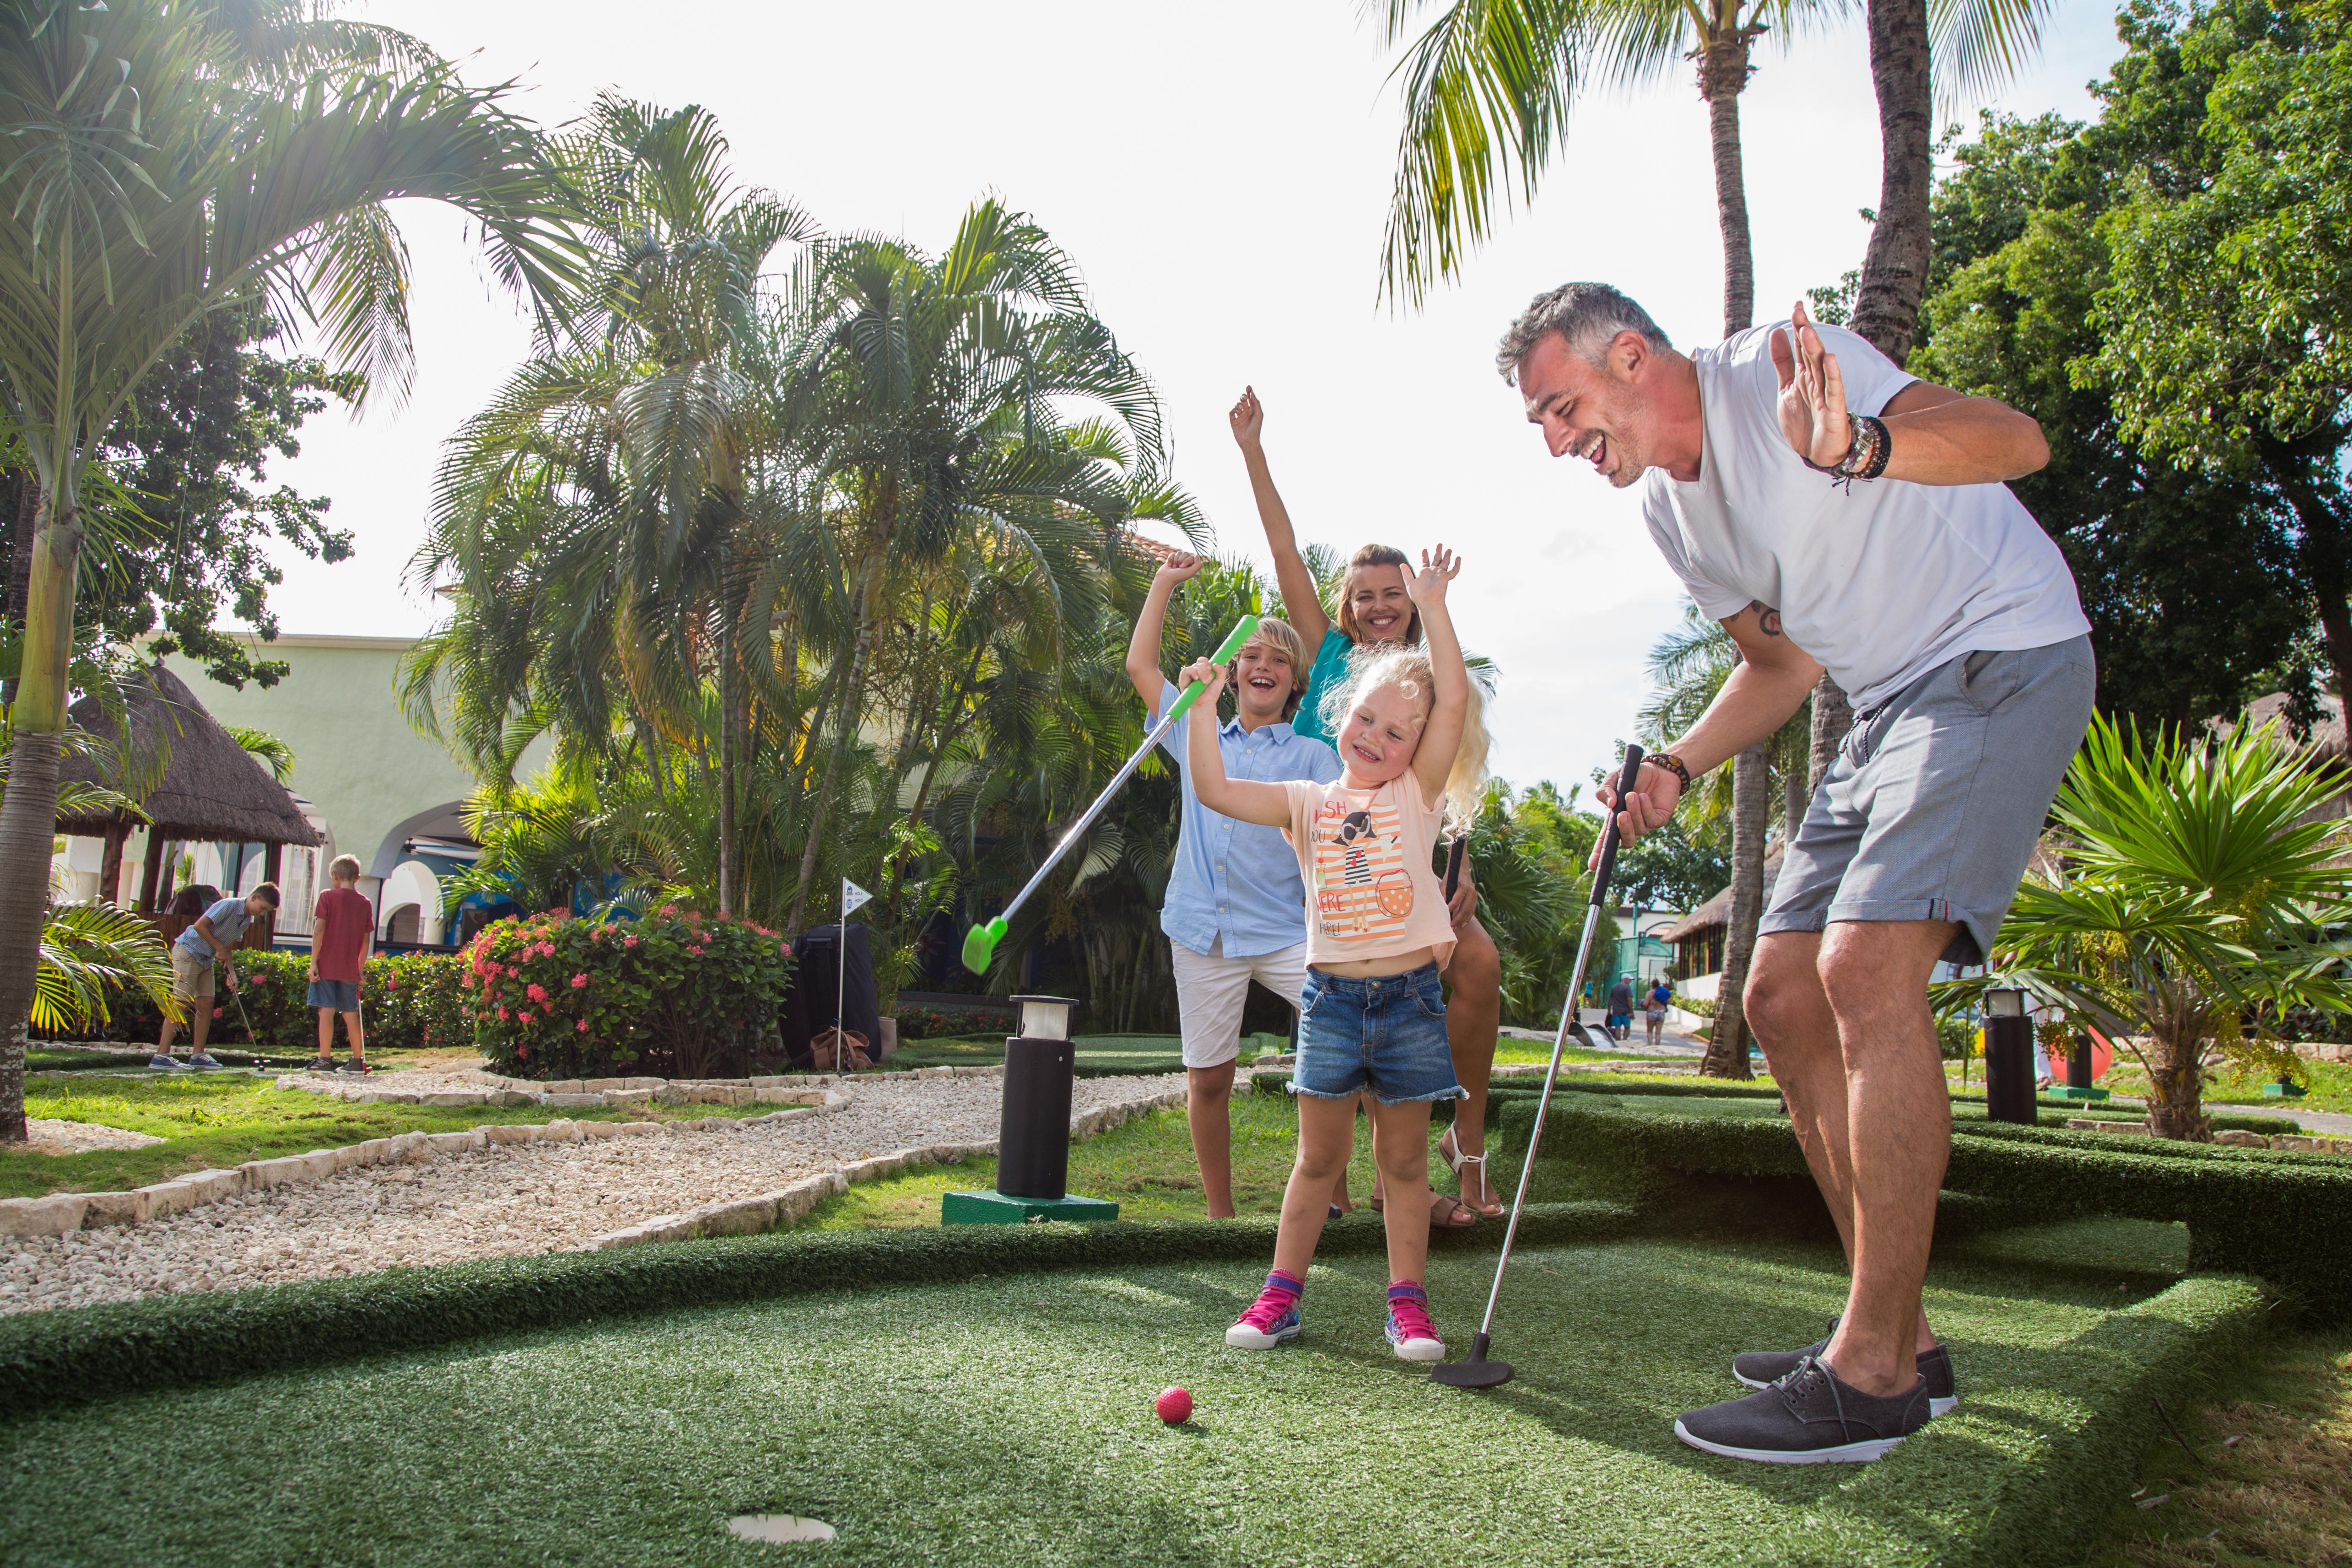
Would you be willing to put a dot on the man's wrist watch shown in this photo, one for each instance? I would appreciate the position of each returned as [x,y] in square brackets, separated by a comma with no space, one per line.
[1672,764]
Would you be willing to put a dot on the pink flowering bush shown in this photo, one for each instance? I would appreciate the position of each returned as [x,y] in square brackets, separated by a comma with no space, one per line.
[679,994]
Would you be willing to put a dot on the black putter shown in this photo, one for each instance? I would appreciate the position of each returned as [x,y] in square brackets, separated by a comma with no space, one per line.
[1477,1371]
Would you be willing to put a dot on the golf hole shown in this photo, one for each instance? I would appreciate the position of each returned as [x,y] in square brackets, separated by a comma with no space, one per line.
[767,1527]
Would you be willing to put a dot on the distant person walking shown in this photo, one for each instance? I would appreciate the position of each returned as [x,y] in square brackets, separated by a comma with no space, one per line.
[1621,1007]
[213,935]
[1830,510]
[342,930]
[1653,1013]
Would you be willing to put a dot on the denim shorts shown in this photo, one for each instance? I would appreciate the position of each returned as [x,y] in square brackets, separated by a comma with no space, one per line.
[1937,798]
[343,995]
[1385,1033]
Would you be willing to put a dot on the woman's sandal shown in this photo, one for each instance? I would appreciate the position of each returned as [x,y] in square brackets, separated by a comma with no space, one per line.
[1454,1160]
[1444,1213]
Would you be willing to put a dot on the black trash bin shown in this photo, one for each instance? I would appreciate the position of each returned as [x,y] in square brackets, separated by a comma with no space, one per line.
[818,979]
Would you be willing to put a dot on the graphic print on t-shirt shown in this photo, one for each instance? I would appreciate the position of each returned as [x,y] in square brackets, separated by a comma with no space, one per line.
[1363,889]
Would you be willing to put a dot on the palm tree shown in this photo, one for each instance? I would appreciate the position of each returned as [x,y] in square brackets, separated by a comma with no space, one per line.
[2200,897]
[941,387]
[616,491]
[1689,665]
[164,165]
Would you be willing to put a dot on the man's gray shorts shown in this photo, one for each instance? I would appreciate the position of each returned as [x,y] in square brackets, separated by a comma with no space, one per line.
[1937,798]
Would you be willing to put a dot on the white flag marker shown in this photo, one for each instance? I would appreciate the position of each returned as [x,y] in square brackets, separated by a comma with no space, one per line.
[852,897]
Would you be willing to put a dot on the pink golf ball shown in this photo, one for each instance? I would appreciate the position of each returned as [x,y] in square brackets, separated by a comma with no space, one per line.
[1174,1406]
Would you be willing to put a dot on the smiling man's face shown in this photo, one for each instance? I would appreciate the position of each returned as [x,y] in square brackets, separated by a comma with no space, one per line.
[1589,411]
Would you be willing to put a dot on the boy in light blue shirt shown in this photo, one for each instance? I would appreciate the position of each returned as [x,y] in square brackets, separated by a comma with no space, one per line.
[1236,907]
[215,934]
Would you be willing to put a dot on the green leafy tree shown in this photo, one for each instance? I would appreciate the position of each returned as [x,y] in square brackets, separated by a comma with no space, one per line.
[2227,323]
[2188,574]
[2197,902]
[164,165]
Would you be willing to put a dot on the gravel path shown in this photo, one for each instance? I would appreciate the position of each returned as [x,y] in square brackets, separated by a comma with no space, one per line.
[49,1135]
[505,1200]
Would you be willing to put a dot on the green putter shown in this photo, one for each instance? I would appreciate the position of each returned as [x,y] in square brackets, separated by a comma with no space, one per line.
[979,942]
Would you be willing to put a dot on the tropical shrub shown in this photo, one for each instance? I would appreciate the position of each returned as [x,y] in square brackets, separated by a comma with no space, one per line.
[675,995]
[407,1000]
[2198,903]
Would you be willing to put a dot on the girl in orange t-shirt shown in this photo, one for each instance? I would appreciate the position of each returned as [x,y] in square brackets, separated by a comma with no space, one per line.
[1373,1017]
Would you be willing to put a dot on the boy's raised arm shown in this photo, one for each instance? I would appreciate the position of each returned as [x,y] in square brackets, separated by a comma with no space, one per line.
[1433,761]
[1243,800]
[1143,646]
[1300,602]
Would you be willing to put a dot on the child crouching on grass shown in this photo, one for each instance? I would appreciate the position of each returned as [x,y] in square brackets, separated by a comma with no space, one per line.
[1373,1017]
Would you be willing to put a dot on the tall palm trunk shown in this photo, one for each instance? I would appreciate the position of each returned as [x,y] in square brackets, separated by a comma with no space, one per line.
[29,812]
[1894,266]
[1723,72]
[830,785]
[1751,806]
[727,846]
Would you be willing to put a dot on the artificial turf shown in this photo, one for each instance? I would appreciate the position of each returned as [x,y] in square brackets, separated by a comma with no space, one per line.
[1008,1420]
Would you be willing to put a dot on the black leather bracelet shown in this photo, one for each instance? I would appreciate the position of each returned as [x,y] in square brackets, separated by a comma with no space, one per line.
[1672,764]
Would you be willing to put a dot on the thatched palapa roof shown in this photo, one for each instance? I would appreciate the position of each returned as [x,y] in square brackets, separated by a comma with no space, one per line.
[213,790]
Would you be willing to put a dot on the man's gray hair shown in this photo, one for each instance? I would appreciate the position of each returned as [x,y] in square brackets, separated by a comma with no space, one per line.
[1589,315]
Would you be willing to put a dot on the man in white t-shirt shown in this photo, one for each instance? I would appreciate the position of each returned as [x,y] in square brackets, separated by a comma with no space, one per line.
[1831,511]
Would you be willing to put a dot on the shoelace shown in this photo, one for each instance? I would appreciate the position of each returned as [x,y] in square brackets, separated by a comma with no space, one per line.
[1269,1309]
[1411,1318]
[1793,1387]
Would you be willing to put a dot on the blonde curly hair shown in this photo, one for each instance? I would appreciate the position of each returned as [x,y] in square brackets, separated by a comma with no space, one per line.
[1413,672]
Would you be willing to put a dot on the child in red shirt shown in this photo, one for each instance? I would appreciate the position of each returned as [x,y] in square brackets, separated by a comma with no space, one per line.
[342,930]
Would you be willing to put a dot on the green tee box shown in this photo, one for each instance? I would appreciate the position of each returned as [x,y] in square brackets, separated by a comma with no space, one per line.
[996,1208]
[2065,1092]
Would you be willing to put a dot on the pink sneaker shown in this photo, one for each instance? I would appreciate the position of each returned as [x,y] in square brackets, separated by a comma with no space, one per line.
[1409,1330]
[1271,1319]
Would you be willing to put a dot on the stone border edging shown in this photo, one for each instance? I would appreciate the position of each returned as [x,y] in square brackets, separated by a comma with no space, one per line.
[2228,1138]
[771,1211]
[59,1212]
[618,1094]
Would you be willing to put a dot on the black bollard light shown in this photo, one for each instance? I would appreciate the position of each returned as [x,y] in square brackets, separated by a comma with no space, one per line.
[1033,1149]
[2009,1058]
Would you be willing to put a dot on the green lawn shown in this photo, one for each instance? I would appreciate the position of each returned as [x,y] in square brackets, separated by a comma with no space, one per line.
[1008,1421]
[1146,1165]
[216,1120]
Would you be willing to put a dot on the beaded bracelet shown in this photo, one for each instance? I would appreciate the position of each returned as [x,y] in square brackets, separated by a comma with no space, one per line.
[1868,447]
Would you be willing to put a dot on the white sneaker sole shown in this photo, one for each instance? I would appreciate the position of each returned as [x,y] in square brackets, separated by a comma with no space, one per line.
[1935,1406]
[1421,1350]
[1240,1338]
[1842,1454]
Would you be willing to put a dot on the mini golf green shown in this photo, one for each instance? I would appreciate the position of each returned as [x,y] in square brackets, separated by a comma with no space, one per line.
[1008,1420]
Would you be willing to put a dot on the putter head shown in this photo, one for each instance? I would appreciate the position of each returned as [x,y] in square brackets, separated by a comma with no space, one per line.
[1474,1371]
[979,944]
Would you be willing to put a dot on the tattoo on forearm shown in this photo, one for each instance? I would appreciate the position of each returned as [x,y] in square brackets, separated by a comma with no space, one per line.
[1768,620]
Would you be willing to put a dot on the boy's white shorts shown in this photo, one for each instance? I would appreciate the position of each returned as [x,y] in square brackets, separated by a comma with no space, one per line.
[1211,989]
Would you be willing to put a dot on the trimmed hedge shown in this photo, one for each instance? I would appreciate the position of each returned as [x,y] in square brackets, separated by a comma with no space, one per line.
[407,1000]
[2175,1347]
[2286,1217]
[78,1353]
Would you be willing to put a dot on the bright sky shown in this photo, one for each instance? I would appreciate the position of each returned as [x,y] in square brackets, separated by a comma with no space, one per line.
[1220,171]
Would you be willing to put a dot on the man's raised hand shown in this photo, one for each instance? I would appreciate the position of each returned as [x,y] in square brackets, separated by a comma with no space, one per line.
[1247,418]
[1812,394]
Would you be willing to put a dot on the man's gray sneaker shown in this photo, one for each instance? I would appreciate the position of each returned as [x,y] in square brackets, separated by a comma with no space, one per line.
[1812,1416]
[162,1063]
[1763,1368]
